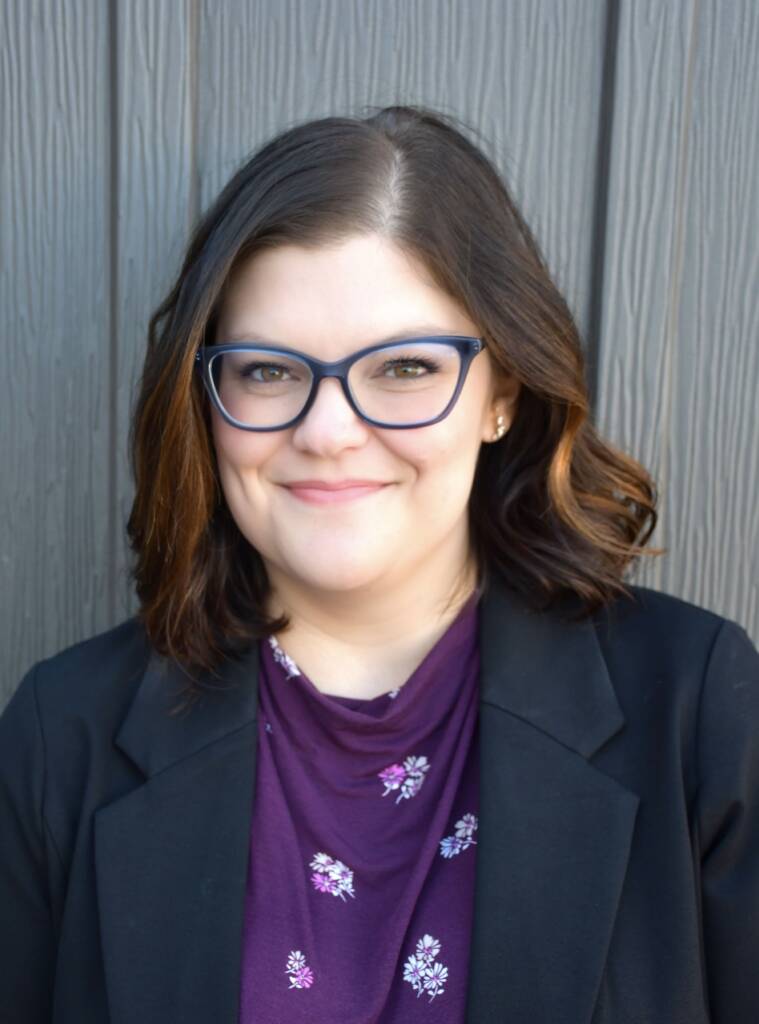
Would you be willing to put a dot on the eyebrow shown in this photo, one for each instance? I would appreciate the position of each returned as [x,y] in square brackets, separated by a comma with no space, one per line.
[415,331]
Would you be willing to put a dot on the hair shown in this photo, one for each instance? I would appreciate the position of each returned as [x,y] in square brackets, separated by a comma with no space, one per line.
[555,509]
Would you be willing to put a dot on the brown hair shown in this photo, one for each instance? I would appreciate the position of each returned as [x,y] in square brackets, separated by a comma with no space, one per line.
[554,508]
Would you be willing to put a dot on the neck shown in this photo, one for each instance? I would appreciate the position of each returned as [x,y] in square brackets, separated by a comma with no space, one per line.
[353,644]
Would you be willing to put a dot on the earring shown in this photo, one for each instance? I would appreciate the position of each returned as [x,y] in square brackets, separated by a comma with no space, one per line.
[500,428]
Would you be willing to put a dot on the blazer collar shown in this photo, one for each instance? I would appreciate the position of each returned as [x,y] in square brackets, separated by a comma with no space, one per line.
[553,839]
[537,666]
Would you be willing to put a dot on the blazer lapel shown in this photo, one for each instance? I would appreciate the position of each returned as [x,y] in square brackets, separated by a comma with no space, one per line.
[554,832]
[171,856]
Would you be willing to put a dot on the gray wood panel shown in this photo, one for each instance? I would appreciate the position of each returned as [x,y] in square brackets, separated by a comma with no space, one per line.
[56,537]
[155,194]
[679,367]
[264,67]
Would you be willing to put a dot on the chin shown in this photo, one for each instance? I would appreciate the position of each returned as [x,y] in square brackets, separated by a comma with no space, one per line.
[340,576]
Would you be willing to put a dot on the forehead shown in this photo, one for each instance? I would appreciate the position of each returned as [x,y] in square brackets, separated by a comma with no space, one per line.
[336,298]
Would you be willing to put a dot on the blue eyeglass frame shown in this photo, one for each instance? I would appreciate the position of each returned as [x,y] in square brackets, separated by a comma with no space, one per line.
[467,348]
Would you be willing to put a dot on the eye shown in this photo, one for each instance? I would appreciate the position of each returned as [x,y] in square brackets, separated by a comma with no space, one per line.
[413,363]
[272,372]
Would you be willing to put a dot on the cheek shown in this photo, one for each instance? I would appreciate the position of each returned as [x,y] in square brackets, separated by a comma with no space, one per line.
[451,459]
[452,444]
[443,458]
[240,455]
[240,449]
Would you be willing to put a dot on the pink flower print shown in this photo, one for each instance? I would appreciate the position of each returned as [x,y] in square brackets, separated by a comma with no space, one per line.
[283,659]
[408,777]
[323,883]
[392,776]
[331,876]
[421,971]
[301,976]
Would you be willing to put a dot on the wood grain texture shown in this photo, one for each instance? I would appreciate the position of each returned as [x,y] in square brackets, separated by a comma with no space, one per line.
[55,324]
[679,370]
[155,199]
[525,75]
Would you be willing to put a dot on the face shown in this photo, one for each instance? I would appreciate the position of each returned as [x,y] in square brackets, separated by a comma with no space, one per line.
[328,303]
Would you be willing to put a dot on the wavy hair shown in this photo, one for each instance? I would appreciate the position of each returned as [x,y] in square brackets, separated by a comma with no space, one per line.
[554,508]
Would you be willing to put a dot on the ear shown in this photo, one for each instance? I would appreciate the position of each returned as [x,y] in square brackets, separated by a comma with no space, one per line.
[502,410]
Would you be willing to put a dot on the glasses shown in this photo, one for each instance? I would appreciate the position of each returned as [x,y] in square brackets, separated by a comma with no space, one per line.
[409,383]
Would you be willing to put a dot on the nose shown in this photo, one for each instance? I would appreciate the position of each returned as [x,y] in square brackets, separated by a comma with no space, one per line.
[330,424]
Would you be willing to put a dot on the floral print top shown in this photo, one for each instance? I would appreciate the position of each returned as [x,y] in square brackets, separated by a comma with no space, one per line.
[363,843]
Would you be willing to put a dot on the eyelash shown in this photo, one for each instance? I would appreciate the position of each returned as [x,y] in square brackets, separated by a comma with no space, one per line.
[427,364]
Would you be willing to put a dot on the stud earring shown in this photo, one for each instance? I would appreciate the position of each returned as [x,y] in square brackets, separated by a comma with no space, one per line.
[500,428]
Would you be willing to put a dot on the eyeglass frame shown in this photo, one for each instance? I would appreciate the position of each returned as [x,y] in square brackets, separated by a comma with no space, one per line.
[467,347]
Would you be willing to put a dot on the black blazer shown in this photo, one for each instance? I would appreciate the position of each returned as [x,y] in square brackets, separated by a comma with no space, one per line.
[618,842]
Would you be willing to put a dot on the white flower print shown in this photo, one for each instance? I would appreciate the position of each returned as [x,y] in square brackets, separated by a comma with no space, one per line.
[283,659]
[427,948]
[320,862]
[466,826]
[463,839]
[394,693]
[437,975]
[421,971]
[342,875]
[301,976]
[331,876]
[295,961]
[416,767]
[408,777]
[415,971]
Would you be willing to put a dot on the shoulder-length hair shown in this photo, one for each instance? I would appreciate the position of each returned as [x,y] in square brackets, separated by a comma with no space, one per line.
[554,508]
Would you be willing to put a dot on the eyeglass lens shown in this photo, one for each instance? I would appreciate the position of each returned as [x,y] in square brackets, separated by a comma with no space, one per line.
[397,385]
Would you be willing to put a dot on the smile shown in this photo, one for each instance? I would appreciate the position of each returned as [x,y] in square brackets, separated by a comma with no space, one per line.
[322,496]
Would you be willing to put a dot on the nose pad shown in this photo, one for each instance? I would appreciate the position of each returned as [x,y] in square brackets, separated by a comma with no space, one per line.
[334,384]
[341,416]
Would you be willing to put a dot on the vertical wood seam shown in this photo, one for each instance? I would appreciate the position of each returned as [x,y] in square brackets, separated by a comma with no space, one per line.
[678,231]
[114,523]
[601,201]
[193,47]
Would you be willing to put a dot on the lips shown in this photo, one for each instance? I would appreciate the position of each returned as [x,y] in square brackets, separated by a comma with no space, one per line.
[333,494]
[323,485]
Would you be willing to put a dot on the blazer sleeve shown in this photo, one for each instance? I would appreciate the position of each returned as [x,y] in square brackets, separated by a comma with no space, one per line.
[27,946]
[727,821]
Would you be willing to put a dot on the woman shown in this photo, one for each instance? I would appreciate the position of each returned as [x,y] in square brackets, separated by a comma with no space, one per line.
[389,739]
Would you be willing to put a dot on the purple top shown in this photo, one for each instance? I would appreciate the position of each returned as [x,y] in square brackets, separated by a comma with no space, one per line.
[363,843]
